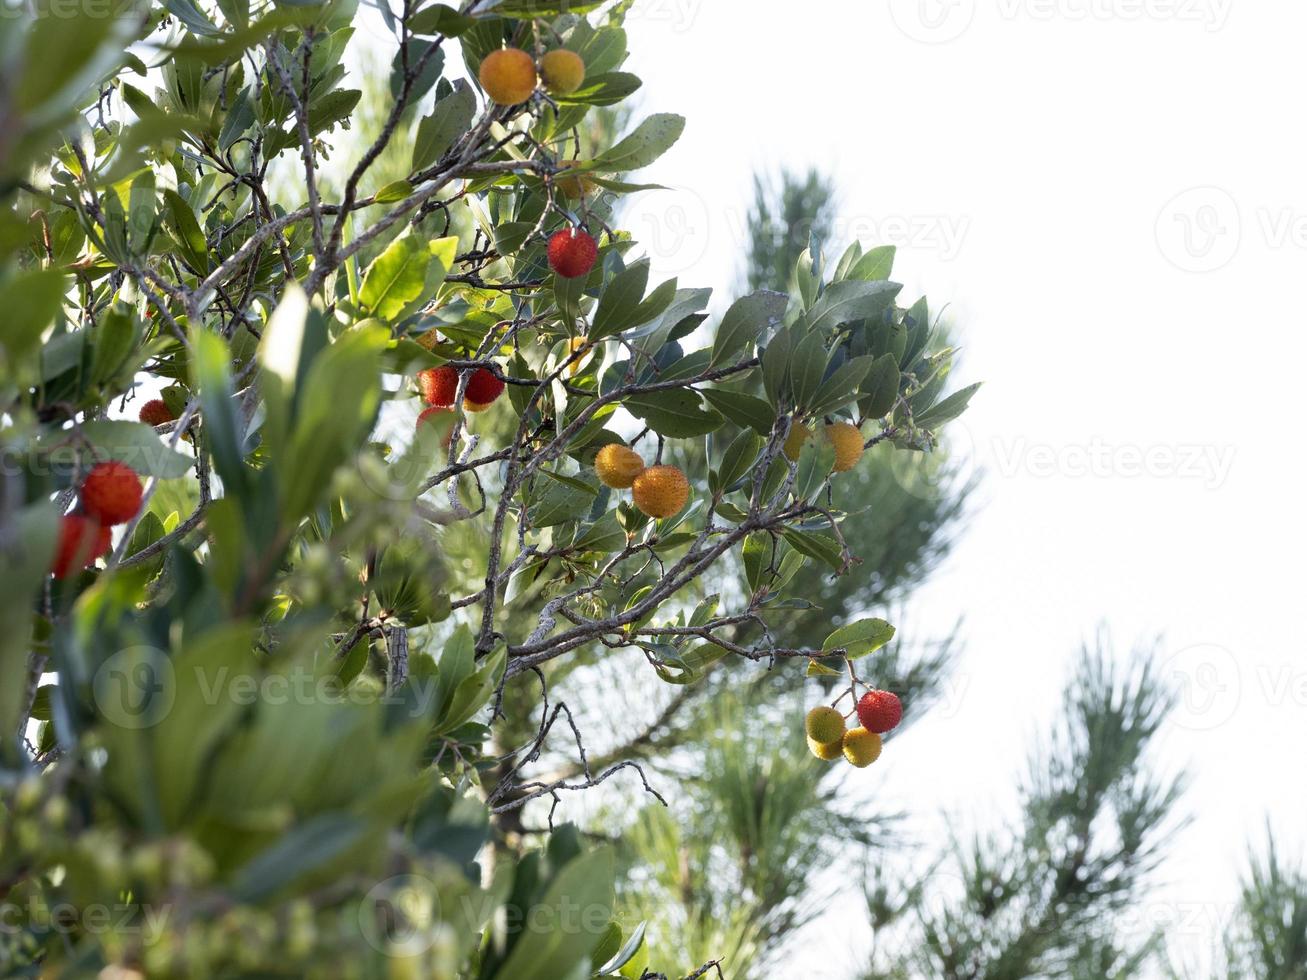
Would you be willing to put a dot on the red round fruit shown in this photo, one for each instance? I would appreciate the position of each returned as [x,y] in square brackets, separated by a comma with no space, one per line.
[111,493]
[157,412]
[880,711]
[438,385]
[81,542]
[572,253]
[483,387]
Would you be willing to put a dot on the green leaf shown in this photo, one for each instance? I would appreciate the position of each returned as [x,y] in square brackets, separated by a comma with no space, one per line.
[605,535]
[759,548]
[116,336]
[749,320]
[396,277]
[137,445]
[440,19]
[566,925]
[181,221]
[25,552]
[396,190]
[191,15]
[844,302]
[841,385]
[651,336]
[303,849]
[860,638]
[619,304]
[472,693]
[61,58]
[738,459]
[807,365]
[820,546]
[544,8]
[603,90]
[776,366]
[557,503]
[677,413]
[30,300]
[875,265]
[570,481]
[624,955]
[650,140]
[211,376]
[814,467]
[881,386]
[948,409]
[449,120]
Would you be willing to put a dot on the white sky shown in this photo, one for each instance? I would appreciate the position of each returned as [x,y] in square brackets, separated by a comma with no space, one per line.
[1140,347]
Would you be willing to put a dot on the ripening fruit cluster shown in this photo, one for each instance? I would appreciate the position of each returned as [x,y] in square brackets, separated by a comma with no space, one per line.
[439,388]
[878,712]
[844,438]
[111,494]
[509,75]
[658,491]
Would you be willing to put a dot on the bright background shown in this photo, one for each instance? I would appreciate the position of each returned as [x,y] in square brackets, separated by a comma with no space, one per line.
[1109,194]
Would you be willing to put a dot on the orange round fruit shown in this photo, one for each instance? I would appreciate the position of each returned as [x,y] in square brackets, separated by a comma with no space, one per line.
[508,76]
[563,71]
[795,440]
[661,491]
[617,466]
[847,440]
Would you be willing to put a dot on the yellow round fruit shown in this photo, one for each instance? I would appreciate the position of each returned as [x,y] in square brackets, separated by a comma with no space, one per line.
[847,441]
[661,491]
[795,440]
[826,752]
[825,725]
[861,747]
[563,71]
[617,466]
[474,407]
[508,76]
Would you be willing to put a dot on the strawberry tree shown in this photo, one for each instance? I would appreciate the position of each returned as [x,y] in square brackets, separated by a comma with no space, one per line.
[247,709]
